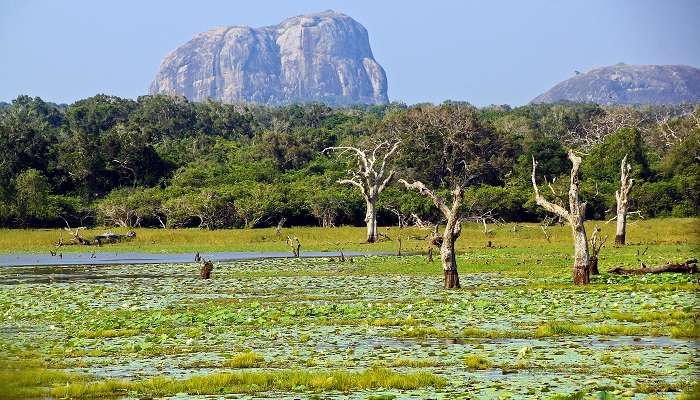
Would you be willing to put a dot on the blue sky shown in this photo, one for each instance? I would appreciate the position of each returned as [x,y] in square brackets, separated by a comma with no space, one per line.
[484,52]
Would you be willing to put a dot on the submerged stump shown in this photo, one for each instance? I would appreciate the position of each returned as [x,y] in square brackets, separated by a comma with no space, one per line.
[205,270]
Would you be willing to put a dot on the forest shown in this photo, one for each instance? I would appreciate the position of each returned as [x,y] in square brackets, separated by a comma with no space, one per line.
[163,161]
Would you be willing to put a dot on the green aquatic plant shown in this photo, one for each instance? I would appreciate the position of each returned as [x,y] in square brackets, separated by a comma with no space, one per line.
[247,359]
[108,333]
[562,328]
[517,309]
[30,379]
[414,363]
[423,331]
[476,361]
[253,382]
[688,329]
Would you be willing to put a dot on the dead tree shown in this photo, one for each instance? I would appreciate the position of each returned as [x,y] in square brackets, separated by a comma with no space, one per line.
[77,239]
[575,215]
[369,177]
[453,228]
[448,147]
[278,230]
[623,201]
[295,245]
[596,245]
[595,130]
[402,223]
[544,226]
[434,240]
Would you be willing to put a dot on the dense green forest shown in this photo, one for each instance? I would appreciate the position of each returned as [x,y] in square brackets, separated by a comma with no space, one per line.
[165,161]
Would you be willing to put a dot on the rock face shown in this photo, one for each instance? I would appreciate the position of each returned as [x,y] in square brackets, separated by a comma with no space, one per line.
[317,57]
[629,84]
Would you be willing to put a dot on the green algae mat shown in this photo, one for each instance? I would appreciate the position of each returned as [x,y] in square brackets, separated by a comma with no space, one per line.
[376,328]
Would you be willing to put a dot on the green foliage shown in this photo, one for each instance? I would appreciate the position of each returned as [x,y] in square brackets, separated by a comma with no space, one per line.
[603,162]
[165,161]
[33,201]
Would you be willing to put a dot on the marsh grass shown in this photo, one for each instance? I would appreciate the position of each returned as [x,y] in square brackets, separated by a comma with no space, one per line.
[660,231]
[246,359]
[108,333]
[562,328]
[30,379]
[494,334]
[254,382]
[687,329]
[649,316]
[415,362]
[422,332]
[476,361]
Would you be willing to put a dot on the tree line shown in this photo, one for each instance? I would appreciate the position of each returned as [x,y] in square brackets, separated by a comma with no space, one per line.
[162,161]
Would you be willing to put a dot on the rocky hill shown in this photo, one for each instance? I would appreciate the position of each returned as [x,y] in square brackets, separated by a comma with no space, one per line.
[629,84]
[316,57]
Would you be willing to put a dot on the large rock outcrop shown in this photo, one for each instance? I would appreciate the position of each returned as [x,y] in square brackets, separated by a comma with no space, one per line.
[322,57]
[629,84]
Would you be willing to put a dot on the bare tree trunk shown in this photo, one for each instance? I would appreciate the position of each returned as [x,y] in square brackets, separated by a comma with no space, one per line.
[581,267]
[596,245]
[593,265]
[295,245]
[575,215]
[622,197]
[621,227]
[448,256]
[371,220]
[453,228]
[205,270]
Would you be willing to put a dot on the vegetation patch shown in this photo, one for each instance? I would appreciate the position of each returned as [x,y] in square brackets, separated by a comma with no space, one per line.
[476,361]
[247,359]
[254,382]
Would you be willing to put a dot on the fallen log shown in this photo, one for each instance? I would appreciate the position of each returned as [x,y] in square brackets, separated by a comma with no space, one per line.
[110,237]
[688,267]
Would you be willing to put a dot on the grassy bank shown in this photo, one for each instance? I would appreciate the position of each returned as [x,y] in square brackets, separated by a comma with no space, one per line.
[658,231]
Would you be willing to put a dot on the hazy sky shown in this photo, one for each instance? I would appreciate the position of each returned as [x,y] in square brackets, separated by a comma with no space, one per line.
[484,52]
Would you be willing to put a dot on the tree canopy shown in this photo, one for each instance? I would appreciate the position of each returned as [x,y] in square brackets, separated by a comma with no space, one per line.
[165,161]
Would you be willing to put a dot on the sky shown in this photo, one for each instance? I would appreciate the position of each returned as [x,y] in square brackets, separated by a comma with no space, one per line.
[483,52]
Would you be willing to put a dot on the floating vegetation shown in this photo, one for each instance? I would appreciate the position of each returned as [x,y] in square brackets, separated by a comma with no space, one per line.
[476,361]
[378,327]
[248,359]
[414,363]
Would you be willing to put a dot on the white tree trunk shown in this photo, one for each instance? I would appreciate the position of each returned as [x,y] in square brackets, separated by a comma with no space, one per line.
[621,228]
[371,220]
[623,201]
[581,260]
[576,217]
[371,178]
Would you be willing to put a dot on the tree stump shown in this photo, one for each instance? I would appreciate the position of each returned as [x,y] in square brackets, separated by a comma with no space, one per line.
[593,265]
[451,279]
[205,270]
